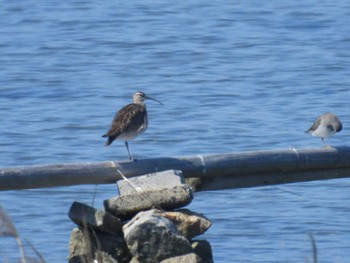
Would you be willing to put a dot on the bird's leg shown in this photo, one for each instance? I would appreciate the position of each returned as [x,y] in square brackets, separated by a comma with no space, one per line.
[127,147]
[325,145]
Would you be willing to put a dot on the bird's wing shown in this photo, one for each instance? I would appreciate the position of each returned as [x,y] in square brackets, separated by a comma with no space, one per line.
[126,118]
[315,125]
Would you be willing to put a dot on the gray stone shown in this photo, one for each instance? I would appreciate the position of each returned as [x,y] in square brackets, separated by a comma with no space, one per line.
[134,260]
[102,256]
[203,249]
[79,259]
[128,205]
[153,238]
[188,258]
[114,246]
[87,245]
[79,249]
[83,215]
[151,182]
[188,224]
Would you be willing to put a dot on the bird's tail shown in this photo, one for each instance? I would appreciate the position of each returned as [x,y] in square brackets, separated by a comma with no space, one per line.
[110,139]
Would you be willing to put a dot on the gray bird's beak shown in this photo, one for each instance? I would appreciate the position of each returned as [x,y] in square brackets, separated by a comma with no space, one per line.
[149,98]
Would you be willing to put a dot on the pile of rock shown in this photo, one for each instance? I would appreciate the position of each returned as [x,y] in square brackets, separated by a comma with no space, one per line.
[141,226]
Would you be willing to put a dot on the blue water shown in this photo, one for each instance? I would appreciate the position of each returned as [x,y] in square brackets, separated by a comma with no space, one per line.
[233,76]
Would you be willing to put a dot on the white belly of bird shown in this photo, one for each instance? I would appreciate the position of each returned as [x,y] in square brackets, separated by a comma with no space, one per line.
[323,131]
[132,134]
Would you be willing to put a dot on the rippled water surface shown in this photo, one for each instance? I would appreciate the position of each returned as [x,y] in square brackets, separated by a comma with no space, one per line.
[236,76]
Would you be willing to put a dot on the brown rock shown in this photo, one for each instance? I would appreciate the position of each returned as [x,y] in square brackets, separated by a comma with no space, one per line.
[188,224]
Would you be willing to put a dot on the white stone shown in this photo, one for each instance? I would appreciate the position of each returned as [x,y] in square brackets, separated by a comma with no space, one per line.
[151,182]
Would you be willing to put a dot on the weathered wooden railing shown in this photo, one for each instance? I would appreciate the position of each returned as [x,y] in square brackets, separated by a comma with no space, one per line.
[216,171]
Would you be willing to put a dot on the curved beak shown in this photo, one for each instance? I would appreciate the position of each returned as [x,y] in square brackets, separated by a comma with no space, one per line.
[149,98]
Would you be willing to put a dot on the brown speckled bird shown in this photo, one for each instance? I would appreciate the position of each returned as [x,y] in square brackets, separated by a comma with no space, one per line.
[129,121]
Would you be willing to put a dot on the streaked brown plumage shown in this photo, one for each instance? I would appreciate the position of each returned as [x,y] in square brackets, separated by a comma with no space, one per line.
[129,121]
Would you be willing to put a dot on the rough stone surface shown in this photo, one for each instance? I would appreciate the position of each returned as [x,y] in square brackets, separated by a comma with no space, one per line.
[128,205]
[83,215]
[203,249]
[114,246]
[85,245]
[188,258]
[188,224]
[78,247]
[151,182]
[134,260]
[102,257]
[152,238]
[105,257]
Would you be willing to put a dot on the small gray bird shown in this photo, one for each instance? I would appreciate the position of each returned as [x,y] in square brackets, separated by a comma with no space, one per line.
[129,121]
[325,126]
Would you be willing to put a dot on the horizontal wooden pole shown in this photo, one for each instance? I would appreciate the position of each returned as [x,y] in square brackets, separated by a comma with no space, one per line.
[216,171]
[242,181]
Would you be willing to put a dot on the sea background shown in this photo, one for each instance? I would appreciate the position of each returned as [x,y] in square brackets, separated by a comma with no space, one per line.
[233,76]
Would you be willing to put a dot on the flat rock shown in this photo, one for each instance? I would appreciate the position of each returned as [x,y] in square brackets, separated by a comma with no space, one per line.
[151,182]
[188,224]
[82,215]
[128,205]
[153,238]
